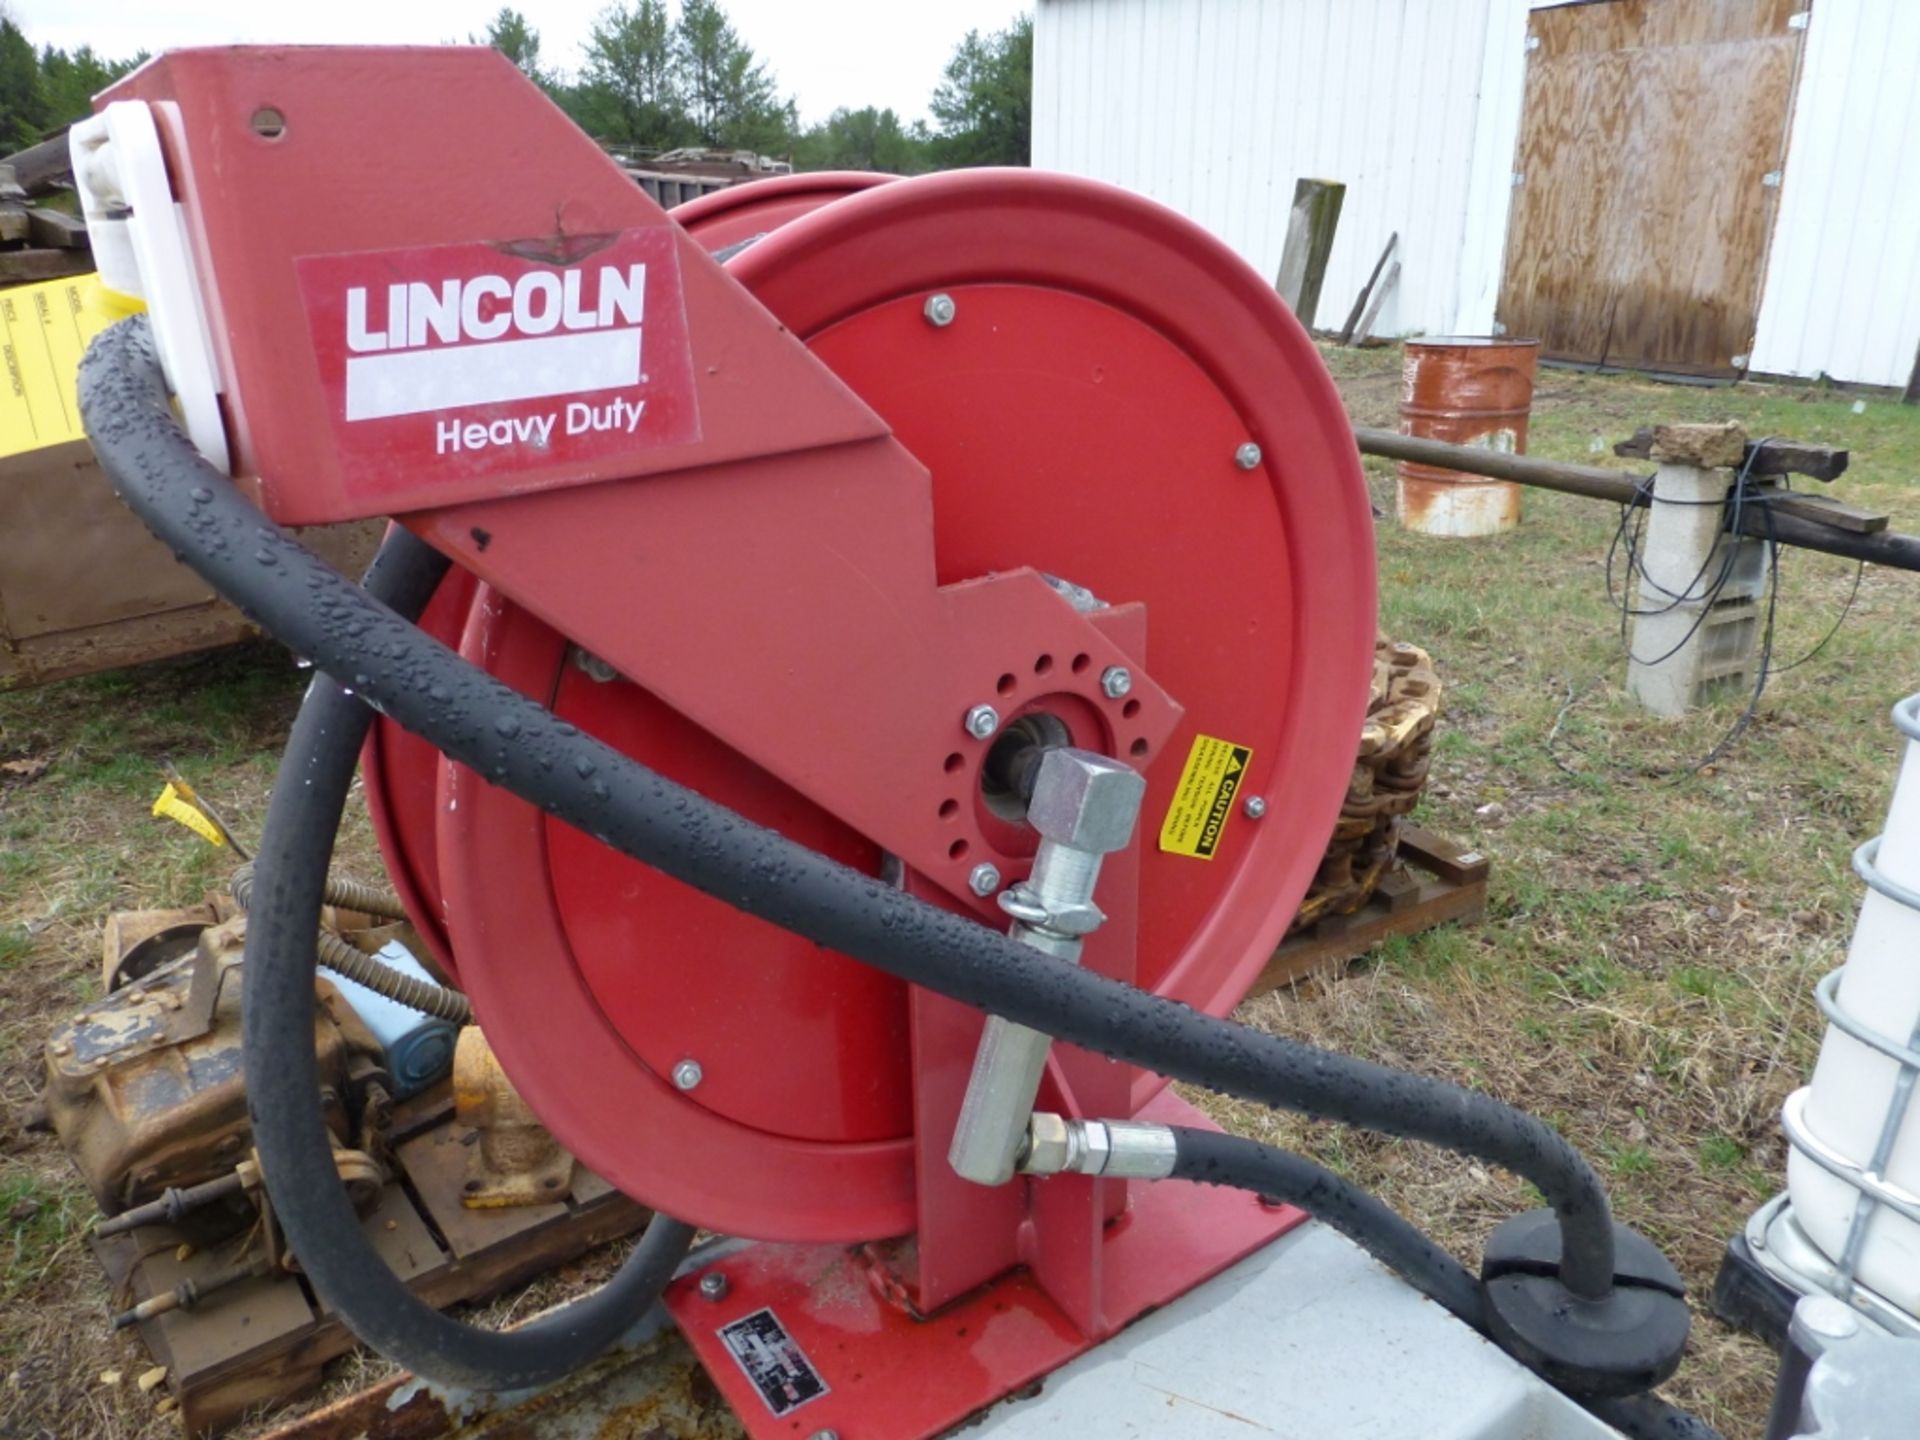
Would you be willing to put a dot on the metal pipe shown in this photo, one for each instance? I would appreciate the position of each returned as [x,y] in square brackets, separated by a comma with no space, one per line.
[368,970]
[1083,806]
[1889,548]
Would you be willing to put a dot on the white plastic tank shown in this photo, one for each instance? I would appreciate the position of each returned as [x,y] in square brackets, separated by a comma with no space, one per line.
[1859,1115]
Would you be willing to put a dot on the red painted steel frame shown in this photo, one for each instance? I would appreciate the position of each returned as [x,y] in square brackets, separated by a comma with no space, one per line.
[400,769]
[892,1372]
[803,613]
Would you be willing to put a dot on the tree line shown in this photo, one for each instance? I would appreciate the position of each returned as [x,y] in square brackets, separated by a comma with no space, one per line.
[652,79]
[43,90]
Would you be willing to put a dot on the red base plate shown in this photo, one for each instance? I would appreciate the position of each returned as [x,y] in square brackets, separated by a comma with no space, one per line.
[806,1338]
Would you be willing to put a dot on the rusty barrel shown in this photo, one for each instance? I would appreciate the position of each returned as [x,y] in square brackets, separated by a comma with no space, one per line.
[1467,390]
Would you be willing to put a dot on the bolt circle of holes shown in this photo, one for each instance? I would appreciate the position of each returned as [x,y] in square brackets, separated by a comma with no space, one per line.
[955,762]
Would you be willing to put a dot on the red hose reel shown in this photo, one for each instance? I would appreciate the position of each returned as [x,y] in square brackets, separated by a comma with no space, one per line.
[911,423]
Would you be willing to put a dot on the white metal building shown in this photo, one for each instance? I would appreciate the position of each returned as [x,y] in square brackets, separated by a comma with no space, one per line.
[1793,224]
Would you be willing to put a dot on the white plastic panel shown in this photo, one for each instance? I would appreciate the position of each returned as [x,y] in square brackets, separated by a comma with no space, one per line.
[1309,1339]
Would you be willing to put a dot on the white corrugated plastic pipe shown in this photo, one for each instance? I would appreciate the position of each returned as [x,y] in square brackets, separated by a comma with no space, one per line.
[1853,1169]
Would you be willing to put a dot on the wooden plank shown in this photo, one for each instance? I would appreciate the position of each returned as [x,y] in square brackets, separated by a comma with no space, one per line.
[1366,291]
[1770,459]
[43,167]
[1639,24]
[1453,862]
[437,1164]
[55,229]
[1640,216]
[23,267]
[1326,948]
[1310,230]
[264,1341]
[1397,890]
[1823,510]
[1387,282]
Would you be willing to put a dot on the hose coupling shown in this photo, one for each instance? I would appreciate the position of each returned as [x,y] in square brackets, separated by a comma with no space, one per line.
[1117,1149]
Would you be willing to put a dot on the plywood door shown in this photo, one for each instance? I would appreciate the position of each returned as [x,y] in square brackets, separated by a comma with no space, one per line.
[1641,204]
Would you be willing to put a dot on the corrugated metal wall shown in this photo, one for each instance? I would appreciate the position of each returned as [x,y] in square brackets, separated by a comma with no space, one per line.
[1216,107]
[1842,294]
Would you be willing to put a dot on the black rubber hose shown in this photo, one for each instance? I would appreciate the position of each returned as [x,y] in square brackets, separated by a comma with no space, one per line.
[1211,1158]
[283,922]
[518,744]
[337,955]
[1215,1159]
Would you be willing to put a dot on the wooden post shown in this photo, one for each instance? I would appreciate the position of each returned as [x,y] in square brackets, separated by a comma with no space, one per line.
[1303,263]
[1693,641]
[1912,395]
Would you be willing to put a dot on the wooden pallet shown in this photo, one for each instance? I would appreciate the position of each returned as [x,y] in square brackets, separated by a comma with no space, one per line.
[1434,881]
[264,1341]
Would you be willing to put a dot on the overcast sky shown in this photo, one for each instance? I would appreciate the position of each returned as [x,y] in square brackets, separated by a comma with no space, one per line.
[826,53]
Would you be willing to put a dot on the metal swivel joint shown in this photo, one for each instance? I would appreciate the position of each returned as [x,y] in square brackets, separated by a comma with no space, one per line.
[1084,806]
[1118,1149]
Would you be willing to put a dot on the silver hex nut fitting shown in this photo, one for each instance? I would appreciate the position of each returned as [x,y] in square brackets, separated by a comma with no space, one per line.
[984,879]
[939,310]
[1050,1147]
[1115,681]
[1085,801]
[1247,457]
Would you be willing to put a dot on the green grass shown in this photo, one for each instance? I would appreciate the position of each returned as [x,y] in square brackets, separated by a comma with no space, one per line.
[1642,977]
[1644,973]
[42,1225]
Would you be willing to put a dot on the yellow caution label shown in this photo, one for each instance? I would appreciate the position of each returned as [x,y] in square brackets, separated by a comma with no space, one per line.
[43,331]
[180,809]
[1203,800]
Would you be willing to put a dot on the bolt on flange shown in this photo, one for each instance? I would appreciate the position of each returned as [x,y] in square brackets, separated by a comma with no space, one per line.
[981,721]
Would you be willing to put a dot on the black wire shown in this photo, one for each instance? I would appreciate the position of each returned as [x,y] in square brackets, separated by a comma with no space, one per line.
[1633,518]
[1846,609]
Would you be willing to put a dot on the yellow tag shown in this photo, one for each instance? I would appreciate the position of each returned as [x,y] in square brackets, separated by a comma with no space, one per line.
[171,807]
[43,331]
[1203,800]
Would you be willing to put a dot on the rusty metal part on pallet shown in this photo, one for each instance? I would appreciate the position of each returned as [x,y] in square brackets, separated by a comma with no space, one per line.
[1396,748]
[144,1086]
[514,1159]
